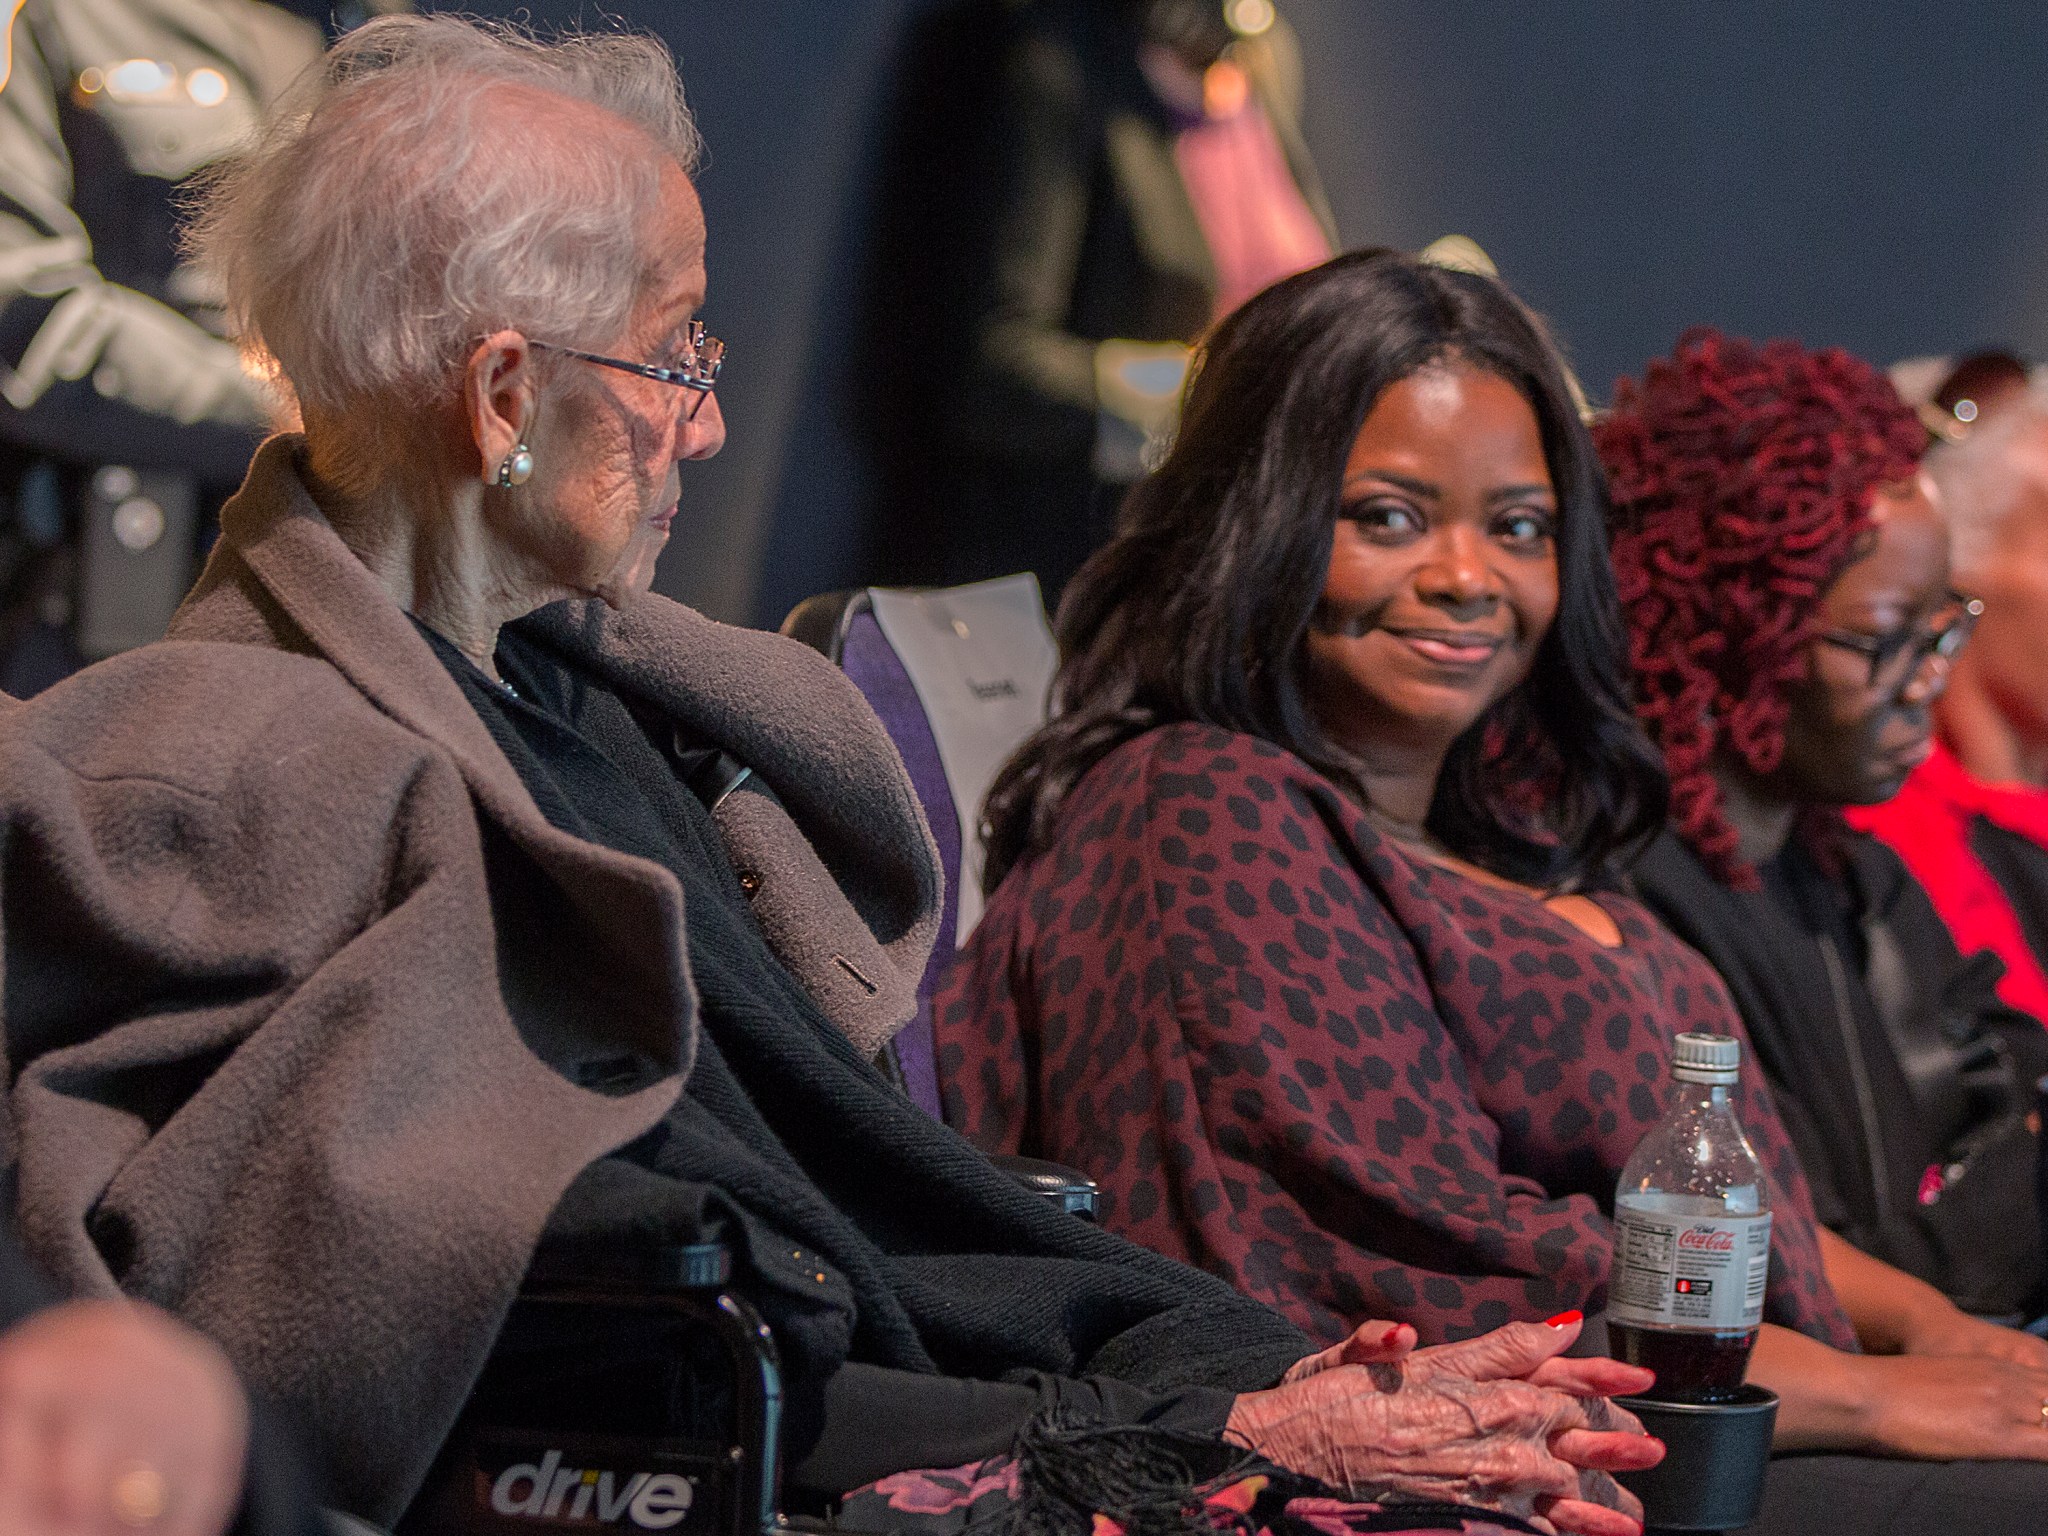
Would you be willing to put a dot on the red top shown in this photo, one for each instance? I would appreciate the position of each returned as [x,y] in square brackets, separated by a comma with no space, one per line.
[1927,824]
[1352,1083]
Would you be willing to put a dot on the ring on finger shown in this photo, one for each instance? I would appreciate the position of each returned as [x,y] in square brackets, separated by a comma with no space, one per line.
[137,1497]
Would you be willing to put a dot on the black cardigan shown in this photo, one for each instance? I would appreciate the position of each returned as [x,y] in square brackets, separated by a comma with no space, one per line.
[933,1307]
[1889,1054]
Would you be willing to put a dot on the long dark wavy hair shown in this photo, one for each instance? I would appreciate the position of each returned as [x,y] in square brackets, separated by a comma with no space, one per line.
[1198,607]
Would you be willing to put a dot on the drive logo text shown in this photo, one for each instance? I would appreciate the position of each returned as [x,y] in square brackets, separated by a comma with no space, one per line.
[651,1501]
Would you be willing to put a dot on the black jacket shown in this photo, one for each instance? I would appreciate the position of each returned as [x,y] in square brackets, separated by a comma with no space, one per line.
[1042,214]
[1900,1075]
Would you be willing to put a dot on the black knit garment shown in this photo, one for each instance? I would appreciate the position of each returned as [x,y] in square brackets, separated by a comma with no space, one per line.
[867,1232]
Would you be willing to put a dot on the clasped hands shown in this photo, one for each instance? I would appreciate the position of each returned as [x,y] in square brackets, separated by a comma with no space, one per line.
[1501,1422]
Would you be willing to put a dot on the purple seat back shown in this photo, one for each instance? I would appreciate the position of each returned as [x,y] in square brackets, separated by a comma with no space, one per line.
[875,669]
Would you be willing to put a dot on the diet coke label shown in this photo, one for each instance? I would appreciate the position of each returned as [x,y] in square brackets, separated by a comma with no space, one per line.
[1695,1272]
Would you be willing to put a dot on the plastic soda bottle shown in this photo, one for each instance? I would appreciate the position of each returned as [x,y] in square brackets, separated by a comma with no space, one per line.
[1692,1236]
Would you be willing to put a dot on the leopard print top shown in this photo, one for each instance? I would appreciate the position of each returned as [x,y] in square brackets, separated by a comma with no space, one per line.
[1352,1083]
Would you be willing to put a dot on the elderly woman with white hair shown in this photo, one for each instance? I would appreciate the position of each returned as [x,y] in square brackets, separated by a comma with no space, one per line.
[435,894]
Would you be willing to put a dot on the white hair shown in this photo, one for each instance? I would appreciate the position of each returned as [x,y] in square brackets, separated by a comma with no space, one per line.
[399,206]
[1983,478]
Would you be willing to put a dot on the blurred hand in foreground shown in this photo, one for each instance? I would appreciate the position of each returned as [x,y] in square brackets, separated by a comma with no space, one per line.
[116,1420]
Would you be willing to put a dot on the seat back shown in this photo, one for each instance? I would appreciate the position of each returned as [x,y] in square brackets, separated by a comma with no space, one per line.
[959,677]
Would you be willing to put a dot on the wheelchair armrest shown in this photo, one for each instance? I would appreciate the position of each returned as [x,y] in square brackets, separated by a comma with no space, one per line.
[1072,1191]
[630,1271]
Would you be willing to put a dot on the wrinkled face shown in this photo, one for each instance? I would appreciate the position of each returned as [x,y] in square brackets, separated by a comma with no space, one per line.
[606,444]
[2005,655]
[1443,563]
[1852,740]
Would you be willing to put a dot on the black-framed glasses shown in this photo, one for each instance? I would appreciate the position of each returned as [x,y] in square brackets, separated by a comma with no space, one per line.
[703,356]
[1945,634]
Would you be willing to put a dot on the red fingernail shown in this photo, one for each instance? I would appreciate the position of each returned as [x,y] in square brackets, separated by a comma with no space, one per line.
[1564,1319]
[1392,1334]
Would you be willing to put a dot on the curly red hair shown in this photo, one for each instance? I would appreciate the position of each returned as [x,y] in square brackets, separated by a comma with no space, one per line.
[1743,478]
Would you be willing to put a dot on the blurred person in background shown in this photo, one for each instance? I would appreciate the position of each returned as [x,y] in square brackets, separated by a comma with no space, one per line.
[1972,821]
[1951,398]
[1145,173]
[1785,576]
[125,416]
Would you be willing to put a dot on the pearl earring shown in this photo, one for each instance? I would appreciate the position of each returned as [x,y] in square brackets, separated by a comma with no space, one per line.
[517,468]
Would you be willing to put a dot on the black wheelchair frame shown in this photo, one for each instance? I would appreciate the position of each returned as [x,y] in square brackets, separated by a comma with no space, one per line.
[478,1488]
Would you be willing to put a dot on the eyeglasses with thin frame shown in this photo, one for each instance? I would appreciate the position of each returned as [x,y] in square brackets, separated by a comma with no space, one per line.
[703,357]
[1944,636]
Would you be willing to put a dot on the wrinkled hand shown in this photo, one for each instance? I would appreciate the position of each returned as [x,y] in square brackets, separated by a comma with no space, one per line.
[1371,1343]
[1956,1408]
[107,1410]
[1955,1332]
[1498,1422]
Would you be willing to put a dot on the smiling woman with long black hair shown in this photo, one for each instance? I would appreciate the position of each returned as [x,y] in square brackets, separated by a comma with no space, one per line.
[1307,944]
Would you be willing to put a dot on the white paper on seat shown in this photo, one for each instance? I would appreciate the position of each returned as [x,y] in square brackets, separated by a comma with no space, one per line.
[981,658]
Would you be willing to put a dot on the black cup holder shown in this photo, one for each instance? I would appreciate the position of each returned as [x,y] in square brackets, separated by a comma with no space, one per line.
[1716,1456]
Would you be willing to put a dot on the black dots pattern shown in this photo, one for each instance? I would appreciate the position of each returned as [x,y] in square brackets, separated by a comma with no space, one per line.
[1351,1083]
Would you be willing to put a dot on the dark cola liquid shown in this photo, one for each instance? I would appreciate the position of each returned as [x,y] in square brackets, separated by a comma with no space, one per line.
[1690,1367]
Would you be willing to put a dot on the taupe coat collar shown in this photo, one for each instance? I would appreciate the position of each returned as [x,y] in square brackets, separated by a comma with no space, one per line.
[850,876]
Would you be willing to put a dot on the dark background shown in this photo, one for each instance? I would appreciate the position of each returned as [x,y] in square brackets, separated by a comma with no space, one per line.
[1856,174]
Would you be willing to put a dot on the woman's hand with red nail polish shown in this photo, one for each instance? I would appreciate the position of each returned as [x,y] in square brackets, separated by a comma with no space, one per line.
[1375,1342]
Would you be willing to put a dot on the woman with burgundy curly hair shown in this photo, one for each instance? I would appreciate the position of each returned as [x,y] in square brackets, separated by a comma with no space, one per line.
[1784,574]
[1746,480]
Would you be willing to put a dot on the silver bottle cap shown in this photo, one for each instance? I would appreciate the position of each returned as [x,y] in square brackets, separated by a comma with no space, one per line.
[1711,1059]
